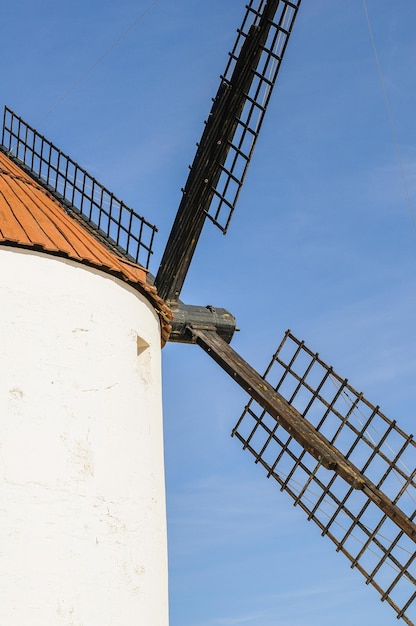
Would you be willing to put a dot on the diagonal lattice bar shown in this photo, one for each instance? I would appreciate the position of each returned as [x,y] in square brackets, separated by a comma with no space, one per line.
[263,61]
[373,541]
[119,226]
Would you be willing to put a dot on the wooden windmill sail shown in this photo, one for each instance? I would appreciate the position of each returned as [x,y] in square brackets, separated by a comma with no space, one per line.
[350,468]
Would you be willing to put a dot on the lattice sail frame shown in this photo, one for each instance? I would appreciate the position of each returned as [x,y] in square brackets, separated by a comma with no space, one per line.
[371,541]
[248,124]
[121,227]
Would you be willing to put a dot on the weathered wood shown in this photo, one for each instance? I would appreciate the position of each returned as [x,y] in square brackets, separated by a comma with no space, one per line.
[297,426]
[211,155]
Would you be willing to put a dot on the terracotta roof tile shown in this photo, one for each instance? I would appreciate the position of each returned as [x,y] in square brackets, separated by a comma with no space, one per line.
[31,217]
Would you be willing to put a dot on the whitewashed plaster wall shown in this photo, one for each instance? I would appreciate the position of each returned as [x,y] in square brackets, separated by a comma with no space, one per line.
[82,500]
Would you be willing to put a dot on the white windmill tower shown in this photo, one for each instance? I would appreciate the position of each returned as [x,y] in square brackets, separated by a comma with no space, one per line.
[83,531]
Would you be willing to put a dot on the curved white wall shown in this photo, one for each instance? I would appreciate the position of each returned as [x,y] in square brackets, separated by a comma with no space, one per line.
[82,504]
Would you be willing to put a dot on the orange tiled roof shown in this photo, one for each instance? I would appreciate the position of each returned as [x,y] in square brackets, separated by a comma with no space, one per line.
[31,217]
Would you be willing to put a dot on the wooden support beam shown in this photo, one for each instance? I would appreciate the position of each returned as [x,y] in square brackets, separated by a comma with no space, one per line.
[297,426]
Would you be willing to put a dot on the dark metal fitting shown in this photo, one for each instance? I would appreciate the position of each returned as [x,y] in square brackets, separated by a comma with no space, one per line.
[203,318]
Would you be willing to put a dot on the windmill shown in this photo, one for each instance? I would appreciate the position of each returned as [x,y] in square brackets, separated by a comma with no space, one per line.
[188,325]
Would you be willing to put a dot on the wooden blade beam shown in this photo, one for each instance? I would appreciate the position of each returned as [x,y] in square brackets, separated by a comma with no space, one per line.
[299,428]
[213,150]
[357,521]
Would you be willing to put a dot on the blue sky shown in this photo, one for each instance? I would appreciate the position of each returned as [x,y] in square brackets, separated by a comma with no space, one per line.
[323,241]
